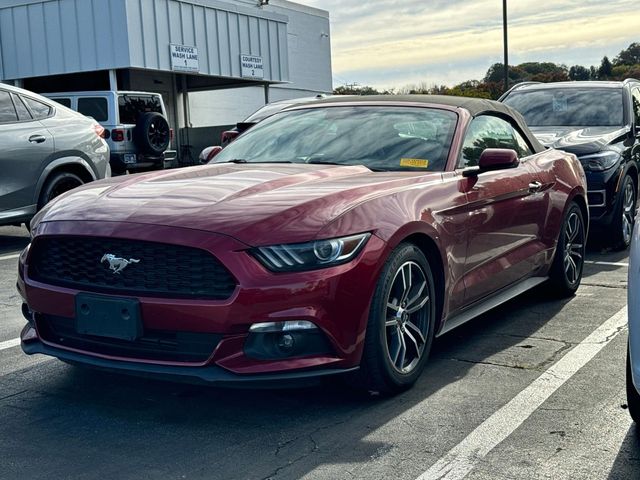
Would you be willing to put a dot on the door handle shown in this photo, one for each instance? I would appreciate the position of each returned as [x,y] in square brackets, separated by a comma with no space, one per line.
[535,186]
[37,139]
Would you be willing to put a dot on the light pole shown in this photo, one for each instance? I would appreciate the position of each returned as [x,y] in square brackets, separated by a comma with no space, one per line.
[506,45]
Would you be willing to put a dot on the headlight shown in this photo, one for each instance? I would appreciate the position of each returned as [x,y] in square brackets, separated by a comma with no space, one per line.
[294,257]
[600,161]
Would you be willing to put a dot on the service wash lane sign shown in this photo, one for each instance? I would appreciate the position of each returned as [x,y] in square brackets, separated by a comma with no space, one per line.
[184,58]
[251,66]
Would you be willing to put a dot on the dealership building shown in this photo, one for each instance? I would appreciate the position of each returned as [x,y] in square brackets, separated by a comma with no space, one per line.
[213,61]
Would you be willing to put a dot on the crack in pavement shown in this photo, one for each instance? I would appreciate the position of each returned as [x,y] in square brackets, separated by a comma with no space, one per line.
[604,285]
[495,364]
[314,448]
[13,395]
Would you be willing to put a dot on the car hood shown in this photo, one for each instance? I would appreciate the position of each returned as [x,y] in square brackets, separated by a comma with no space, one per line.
[577,140]
[256,204]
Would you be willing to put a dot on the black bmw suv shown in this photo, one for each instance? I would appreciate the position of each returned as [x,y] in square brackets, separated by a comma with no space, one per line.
[599,122]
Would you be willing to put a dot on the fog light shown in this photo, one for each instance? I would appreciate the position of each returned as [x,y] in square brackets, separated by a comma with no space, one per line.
[286,342]
[289,339]
[288,326]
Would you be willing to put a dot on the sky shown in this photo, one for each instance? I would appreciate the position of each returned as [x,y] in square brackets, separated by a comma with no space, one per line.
[395,43]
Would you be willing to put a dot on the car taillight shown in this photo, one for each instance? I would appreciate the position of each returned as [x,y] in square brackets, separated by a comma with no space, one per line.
[171,134]
[117,135]
[100,131]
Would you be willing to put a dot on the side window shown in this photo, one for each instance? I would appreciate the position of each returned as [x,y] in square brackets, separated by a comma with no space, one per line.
[38,109]
[63,101]
[7,110]
[95,107]
[23,112]
[485,132]
[636,105]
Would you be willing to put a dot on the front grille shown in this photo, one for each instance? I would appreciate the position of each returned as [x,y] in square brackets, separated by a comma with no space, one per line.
[163,270]
[160,345]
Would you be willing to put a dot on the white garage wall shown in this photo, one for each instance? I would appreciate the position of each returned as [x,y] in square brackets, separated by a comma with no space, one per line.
[309,50]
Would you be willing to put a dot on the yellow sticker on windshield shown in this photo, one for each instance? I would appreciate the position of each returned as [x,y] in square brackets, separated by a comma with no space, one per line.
[414,162]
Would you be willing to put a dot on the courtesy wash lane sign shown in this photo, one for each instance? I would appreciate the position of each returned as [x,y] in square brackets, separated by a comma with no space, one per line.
[251,66]
[184,58]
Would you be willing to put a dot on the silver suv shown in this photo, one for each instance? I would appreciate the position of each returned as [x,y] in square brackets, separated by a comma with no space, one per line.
[45,150]
[136,126]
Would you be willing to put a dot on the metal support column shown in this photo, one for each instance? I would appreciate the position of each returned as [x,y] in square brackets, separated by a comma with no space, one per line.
[113,80]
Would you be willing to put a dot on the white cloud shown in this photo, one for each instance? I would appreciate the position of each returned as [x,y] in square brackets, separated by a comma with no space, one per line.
[371,41]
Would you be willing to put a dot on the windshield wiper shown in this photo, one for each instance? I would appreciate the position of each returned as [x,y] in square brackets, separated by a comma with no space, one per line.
[242,160]
[324,162]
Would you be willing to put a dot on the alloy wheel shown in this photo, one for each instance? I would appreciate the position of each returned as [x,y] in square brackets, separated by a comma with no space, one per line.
[574,247]
[407,317]
[158,134]
[628,211]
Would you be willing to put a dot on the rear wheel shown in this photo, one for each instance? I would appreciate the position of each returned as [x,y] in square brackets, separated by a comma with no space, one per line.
[401,322]
[633,397]
[624,215]
[58,184]
[566,272]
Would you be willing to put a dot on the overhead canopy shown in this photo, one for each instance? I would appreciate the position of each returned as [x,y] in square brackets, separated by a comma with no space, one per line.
[54,37]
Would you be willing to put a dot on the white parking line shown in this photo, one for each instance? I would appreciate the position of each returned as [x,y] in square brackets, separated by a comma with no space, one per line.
[461,459]
[9,257]
[14,342]
[611,264]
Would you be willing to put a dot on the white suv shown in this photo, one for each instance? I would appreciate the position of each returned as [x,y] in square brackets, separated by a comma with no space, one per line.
[135,123]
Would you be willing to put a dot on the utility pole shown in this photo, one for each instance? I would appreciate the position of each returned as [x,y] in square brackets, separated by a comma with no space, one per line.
[506,45]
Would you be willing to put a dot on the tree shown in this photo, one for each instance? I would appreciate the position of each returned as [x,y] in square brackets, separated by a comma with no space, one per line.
[628,56]
[578,72]
[355,90]
[605,70]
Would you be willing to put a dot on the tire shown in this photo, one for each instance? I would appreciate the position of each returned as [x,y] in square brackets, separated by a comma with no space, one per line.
[152,134]
[633,397]
[566,271]
[58,184]
[624,214]
[384,368]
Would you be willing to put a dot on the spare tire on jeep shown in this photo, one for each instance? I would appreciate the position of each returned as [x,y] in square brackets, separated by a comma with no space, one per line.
[151,133]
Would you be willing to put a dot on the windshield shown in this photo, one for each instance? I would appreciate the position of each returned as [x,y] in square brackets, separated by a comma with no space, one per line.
[381,138]
[572,107]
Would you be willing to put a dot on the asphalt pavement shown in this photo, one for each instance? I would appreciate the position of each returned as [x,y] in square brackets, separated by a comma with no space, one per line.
[534,389]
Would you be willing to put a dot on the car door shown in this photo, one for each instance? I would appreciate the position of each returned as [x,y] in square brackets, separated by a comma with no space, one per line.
[26,143]
[502,224]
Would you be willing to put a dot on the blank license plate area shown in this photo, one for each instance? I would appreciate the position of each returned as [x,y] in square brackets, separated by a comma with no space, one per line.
[130,158]
[108,317]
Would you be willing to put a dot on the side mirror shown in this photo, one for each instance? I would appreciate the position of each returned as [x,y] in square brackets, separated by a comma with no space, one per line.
[228,136]
[208,153]
[494,159]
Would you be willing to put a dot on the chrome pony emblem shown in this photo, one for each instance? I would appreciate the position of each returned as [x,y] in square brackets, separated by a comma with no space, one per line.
[117,264]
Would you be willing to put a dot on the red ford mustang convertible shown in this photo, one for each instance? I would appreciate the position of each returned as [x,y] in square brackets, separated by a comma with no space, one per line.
[335,237]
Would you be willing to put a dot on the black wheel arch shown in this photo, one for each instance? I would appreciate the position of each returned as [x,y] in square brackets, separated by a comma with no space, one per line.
[76,165]
[430,249]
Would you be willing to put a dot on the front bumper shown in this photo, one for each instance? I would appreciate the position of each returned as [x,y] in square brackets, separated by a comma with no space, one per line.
[335,299]
[210,374]
[602,195]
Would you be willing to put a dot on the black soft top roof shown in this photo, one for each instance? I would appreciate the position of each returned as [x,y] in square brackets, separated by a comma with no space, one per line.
[475,106]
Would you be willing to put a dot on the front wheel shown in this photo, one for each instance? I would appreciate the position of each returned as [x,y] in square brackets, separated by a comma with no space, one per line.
[624,215]
[633,397]
[401,322]
[566,271]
